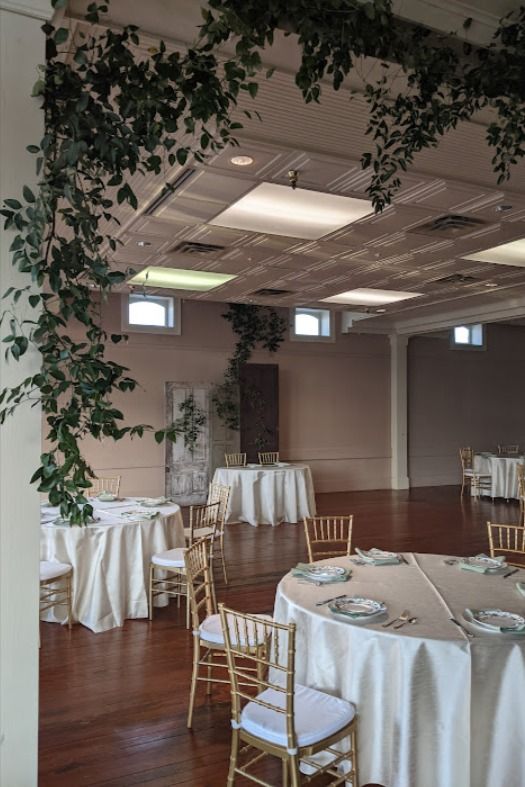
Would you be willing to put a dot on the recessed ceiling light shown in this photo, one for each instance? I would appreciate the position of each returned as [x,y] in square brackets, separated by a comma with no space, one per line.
[491,284]
[241,161]
[180,279]
[503,208]
[512,253]
[273,209]
[143,243]
[364,296]
[380,311]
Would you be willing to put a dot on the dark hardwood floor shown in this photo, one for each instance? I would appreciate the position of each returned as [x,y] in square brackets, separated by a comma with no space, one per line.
[113,705]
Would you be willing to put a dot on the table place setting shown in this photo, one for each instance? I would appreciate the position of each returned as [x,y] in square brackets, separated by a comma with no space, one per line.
[321,575]
[520,587]
[379,557]
[357,609]
[483,564]
[497,621]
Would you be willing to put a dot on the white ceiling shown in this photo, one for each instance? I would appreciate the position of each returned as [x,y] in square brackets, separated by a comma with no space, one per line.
[324,143]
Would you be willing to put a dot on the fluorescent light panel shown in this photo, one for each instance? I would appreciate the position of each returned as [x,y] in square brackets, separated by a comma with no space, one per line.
[273,209]
[180,279]
[364,296]
[512,253]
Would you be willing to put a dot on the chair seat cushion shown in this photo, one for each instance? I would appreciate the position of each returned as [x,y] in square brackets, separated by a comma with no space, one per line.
[199,532]
[172,558]
[51,570]
[317,716]
[210,630]
[471,473]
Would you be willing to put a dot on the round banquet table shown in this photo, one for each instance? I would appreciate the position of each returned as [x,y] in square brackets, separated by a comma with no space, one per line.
[503,472]
[268,495]
[110,559]
[435,709]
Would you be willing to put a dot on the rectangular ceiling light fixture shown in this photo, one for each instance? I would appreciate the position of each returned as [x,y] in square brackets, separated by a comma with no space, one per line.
[273,209]
[364,296]
[512,253]
[179,279]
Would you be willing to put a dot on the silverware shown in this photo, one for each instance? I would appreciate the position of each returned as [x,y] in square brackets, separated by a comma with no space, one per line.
[410,620]
[469,634]
[510,573]
[328,600]
[403,559]
[404,616]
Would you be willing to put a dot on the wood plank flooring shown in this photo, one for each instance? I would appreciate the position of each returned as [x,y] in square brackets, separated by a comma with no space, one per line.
[113,705]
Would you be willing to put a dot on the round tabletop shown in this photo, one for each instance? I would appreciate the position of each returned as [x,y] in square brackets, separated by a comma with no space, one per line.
[427,696]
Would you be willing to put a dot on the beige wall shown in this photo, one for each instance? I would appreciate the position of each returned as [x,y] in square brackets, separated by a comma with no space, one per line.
[463,397]
[334,400]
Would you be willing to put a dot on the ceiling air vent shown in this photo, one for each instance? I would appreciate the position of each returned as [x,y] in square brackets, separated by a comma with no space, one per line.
[193,247]
[268,292]
[168,190]
[451,225]
[456,278]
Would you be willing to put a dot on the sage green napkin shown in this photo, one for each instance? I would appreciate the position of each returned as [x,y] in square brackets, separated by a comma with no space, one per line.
[376,557]
[481,569]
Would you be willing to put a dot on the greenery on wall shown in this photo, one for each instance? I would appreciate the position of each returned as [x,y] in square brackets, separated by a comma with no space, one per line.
[113,112]
[189,424]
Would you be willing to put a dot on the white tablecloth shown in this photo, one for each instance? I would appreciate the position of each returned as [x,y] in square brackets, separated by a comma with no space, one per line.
[268,495]
[435,709]
[110,560]
[503,472]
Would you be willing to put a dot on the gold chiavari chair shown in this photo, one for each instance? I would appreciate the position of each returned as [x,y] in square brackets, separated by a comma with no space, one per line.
[507,540]
[283,720]
[509,450]
[268,457]
[520,475]
[220,494]
[55,586]
[173,581]
[110,484]
[209,656]
[476,482]
[235,460]
[328,536]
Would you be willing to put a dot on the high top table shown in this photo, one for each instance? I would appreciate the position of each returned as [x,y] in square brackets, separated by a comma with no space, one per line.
[110,559]
[268,494]
[435,708]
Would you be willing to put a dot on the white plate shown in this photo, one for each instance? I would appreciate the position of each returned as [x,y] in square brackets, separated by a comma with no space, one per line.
[496,620]
[253,467]
[483,562]
[152,502]
[283,464]
[357,607]
[375,555]
[520,587]
[325,572]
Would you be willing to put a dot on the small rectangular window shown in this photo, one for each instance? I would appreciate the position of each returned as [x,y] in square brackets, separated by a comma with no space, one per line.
[471,337]
[311,324]
[150,313]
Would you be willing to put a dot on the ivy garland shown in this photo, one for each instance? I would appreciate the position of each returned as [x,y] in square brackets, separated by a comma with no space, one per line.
[189,423]
[112,110]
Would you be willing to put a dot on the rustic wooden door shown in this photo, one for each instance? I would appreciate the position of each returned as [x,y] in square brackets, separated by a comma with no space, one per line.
[188,473]
[259,406]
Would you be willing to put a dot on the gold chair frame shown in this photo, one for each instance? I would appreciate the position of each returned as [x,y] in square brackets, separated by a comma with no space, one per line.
[275,669]
[52,596]
[173,582]
[520,474]
[477,482]
[235,460]
[221,494]
[325,531]
[509,450]
[109,484]
[505,539]
[268,457]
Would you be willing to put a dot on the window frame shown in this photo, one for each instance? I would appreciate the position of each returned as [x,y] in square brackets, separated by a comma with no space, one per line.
[176,305]
[299,337]
[454,345]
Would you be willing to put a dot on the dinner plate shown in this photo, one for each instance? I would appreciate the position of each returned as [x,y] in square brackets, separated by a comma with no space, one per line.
[375,555]
[483,562]
[321,573]
[152,502]
[283,464]
[358,607]
[253,466]
[496,620]
[520,587]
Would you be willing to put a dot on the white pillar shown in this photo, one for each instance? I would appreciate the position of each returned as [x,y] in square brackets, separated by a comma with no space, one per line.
[21,124]
[399,411]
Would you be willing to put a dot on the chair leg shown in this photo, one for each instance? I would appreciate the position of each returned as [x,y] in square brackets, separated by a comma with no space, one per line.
[150,591]
[294,770]
[221,545]
[69,602]
[194,675]
[285,772]
[353,738]
[234,753]
[462,486]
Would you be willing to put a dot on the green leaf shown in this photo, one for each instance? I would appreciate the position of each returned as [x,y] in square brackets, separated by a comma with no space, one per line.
[61,36]
[28,194]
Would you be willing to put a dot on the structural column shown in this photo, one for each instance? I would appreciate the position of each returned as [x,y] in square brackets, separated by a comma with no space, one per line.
[399,411]
[21,124]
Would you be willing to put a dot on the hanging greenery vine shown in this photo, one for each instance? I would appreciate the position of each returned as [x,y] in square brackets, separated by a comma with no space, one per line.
[254,325]
[113,110]
[189,424]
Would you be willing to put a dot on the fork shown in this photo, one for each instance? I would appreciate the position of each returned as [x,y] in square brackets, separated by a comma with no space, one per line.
[403,617]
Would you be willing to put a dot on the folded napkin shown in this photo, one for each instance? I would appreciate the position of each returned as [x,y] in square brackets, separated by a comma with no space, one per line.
[305,570]
[480,569]
[521,587]
[378,557]
[139,516]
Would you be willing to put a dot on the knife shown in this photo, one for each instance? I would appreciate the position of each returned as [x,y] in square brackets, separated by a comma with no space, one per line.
[510,573]
[328,600]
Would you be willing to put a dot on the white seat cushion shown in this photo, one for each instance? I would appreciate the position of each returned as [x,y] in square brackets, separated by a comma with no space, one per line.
[50,570]
[200,532]
[317,716]
[475,473]
[211,630]
[172,558]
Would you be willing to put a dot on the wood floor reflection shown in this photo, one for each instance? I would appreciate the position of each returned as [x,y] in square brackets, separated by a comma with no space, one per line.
[113,705]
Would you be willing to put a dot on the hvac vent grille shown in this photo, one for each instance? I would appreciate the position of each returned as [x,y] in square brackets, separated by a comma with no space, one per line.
[450,225]
[268,292]
[193,247]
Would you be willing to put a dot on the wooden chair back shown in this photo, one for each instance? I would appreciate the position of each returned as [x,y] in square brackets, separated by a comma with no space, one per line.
[268,457]
[235,460]
[328,536]
[110,484]
[508,540]
[509,450]
[219,493]
[466,456]
[203,516]
[200,581]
